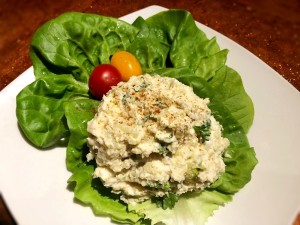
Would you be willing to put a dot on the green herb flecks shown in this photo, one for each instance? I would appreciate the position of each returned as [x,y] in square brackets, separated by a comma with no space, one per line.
[141,87]
[164,186]
[167,201]
[148,117]
[125,98]
[163,149]
[203,131]
[161,105]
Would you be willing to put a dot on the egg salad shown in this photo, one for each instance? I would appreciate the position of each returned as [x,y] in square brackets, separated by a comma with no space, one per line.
[153,136]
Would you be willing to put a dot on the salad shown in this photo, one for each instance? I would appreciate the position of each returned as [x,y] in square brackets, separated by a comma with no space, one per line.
[153,138]
[54,110]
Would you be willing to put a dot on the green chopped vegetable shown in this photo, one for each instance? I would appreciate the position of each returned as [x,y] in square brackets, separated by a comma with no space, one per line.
[203,131]
[168,201]
[164,149]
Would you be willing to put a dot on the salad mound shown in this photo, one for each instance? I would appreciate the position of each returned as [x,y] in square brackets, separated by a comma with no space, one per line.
[55,109]
[152,136]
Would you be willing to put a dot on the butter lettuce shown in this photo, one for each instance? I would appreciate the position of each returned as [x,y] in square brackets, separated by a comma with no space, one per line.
[40,110]
[55,108]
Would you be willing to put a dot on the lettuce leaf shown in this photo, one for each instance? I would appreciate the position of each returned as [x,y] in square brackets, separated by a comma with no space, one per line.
[192,208]
[74,43]
[78,112]
[56,107]
[40,109]
[91,192]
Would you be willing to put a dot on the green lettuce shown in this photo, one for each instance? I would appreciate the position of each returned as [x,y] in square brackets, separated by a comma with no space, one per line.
[91,192]
[55,108]
[74,43]
[40,110]
[192,208]
[78,112]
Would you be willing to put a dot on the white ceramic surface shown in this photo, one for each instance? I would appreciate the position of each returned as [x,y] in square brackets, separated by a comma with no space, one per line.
[33,182]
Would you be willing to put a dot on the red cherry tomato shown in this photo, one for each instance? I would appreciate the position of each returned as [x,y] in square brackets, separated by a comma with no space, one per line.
[102,79]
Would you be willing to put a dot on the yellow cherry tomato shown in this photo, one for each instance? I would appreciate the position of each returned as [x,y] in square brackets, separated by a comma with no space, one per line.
[127,64]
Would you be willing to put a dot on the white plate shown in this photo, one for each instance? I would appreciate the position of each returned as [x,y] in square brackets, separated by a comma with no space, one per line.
[33,182]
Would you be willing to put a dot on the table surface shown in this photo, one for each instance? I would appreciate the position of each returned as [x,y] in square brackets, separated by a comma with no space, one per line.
[270,29]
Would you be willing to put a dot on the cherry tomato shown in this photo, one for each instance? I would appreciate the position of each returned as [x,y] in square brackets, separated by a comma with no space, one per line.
[127,64]
[102,79]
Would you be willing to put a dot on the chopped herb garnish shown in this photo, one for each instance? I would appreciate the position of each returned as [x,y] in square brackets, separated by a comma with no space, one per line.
[142,87]
[125,98]
[167,201]
[203,131]
[165,186]
[163,149]
[147,117]
[161,105]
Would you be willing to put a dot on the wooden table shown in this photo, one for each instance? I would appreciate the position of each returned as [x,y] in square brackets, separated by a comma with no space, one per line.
[270,29]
